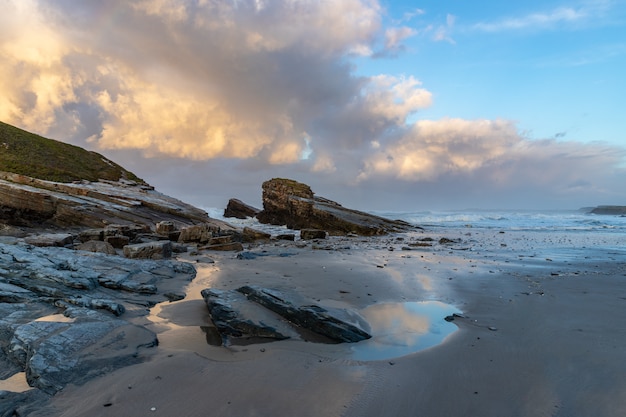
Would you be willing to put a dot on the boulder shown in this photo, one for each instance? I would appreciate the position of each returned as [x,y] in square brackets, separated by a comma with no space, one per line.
[293,204]
[97,246]
[252,235]
[336,325]
[309,234]
[161,249]
[240,210]
[200,233]
[165,228]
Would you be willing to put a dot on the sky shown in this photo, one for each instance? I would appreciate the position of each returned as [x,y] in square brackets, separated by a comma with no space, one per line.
[378,105]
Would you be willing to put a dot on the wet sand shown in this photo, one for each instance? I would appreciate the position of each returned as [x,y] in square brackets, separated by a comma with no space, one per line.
[542,335]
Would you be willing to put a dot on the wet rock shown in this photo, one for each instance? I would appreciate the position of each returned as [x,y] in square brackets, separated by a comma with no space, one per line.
[286,236]
[56,353]
[235,318]
[322,321]
[240,210]
[94,291]
[161,249]
[293,204]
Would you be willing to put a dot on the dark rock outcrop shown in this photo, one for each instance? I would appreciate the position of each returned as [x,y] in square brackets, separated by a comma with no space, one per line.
[309,316]
[240,210]
[611,210]
[293,204]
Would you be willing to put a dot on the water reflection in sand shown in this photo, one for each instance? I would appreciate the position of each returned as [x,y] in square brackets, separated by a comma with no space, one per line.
[399,329]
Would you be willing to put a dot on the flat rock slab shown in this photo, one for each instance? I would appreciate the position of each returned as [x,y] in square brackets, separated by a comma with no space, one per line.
[335,324]
[236,318]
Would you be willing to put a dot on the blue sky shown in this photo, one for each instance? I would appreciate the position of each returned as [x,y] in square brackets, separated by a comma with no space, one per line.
[375,104]
[555,67]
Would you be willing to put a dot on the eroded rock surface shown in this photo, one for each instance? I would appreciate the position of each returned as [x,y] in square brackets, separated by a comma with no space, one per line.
[66,315]
[293,204]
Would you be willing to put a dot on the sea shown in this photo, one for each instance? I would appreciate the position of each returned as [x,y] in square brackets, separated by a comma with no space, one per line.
[522,220]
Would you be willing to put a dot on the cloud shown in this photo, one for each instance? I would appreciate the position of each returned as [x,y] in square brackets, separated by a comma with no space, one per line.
[257,89]
[557,17]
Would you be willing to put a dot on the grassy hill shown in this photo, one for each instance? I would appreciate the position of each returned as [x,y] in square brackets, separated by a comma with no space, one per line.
[26,153]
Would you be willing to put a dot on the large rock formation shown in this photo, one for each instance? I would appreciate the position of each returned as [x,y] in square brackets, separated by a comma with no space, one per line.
[32,202]
[291,203]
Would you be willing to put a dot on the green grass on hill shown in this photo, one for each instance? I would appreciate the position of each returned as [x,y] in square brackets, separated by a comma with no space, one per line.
[26,153]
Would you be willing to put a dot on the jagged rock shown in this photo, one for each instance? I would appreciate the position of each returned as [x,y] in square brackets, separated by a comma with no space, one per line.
[240,210]
[97,246]
[161,249]
[293,204]
[252,235]
[309,316]
[233,320]
[309,234]
[165,228]
[50,239]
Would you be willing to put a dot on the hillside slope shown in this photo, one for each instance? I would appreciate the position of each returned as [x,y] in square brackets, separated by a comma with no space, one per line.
[26,153]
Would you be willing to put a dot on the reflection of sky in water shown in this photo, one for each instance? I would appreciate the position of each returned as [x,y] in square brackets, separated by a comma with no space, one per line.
[401,328]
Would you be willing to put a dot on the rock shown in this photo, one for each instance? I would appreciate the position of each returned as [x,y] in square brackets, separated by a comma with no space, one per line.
[252,235]
[161,249]
[309,234]
[117,241]
[309,316]
[165,228]
[93,290]
[235,321]
[200,233]
[220,240]
[233,246]
[91,234]
[97,246]
[286,236]
[50,239]
[293,204]
[54,354]
[240,210]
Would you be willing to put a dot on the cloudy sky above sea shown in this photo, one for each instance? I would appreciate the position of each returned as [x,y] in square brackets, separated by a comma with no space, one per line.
[403,105]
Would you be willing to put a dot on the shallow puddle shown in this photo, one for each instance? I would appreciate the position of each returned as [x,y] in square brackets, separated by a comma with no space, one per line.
[399,329]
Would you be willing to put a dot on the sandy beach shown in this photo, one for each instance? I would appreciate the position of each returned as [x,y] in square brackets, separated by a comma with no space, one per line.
[540,334]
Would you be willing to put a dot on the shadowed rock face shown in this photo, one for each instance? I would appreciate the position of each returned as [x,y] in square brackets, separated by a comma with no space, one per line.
[293,204]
